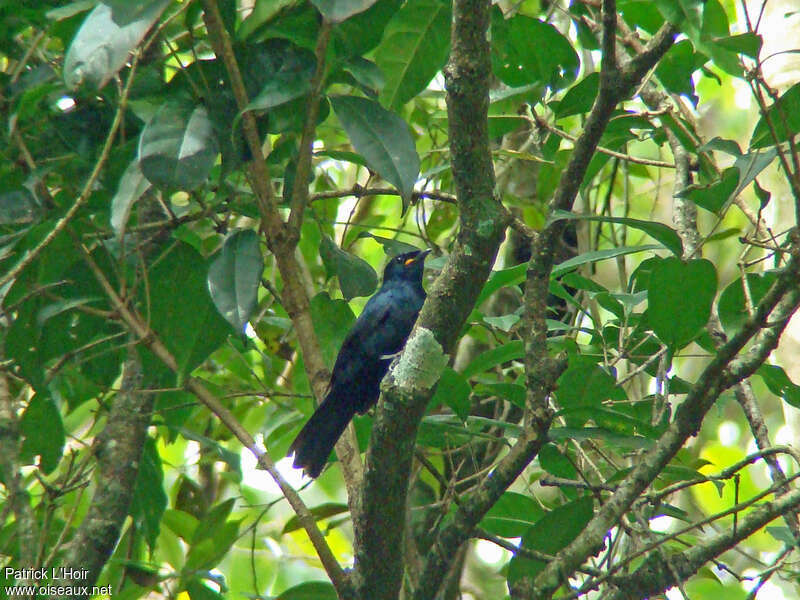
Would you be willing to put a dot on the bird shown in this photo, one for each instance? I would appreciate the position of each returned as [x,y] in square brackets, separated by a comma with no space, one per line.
[379,334]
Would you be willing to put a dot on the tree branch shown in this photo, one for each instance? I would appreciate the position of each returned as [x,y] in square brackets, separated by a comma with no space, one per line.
[281,241]
[119,450]
[450,299]
[151,340]
[654,576]
[721,373]
[303,170]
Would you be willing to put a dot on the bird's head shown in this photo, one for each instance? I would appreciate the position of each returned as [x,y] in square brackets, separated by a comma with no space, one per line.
[406,266]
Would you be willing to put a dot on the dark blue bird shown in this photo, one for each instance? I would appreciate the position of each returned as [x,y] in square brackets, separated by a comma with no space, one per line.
[379,333]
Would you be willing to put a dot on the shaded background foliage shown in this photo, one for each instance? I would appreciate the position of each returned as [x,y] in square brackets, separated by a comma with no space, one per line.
[146,262]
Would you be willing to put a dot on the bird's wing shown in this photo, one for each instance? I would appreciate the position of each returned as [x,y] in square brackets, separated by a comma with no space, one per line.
[379,330]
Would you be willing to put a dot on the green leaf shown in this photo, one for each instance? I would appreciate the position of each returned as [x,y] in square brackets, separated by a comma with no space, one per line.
[356,36]
[658,231]
[332,320]
[310,590]
[263,12]
[732,308]
[43,432]
[748,44]
[234,277]
[783,115]
[597,255]
[517,61]
[132,186]
[414,48]
[598,433]
[584,385]
[675,69]
[322,511]
[512,515]
[383,139]
[782,534]
[780,384]
[513,392]
[178,147]
[291,79]
[496,356]
[551,533]
[453,390]
[17,206]
[106,38]
[580,97]
[149,500]
[713,197]
[199,591]
[209,551]
[343,155]
[181,523]
[337,11]
[680,295]
[356,276]
[391,246]
[503,322]
[717,196]
[554,462]
[366,73]
[500,279]
[180,308]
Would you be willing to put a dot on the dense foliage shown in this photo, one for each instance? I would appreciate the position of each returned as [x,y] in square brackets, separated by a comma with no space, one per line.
[196,197]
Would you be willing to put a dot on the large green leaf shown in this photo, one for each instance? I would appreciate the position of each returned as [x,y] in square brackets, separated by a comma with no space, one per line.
[310,590]
[714,196]
[413,49]
[598,255]
[383,139]
[717,196]
[658,231]
[339,10]
[453,390]
[356,276]
[580,97]
[516,274]
[550,534]
[584,385]
[356,36]
[676,68]
[780,384]
[332,320]
[675,315]
[512,515]
[132,186]
[496,356]
[42,432]
[180,309]
[107,36]
[526,51]
[291,71]
[733,304]
[178,147]
[784,118]
[234,277]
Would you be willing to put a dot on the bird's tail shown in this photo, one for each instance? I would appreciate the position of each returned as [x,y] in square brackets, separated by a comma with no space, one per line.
[316,439]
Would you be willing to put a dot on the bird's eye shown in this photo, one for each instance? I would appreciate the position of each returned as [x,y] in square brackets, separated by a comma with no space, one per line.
[409,261]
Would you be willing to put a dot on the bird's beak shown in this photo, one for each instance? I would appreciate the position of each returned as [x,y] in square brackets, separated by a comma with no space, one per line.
[418,258]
